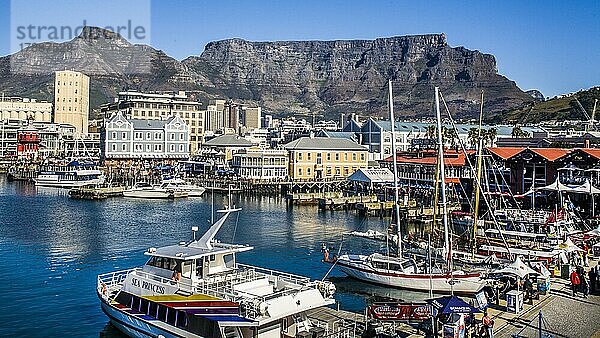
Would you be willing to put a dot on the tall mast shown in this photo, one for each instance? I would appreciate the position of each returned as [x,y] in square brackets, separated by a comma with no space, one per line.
[397,206]
[477,186]
[442,171]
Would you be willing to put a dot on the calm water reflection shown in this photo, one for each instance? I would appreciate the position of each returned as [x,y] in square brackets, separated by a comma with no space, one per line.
[53,247]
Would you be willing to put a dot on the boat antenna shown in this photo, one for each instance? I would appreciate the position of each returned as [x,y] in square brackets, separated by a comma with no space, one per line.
[394,154]
[442,172]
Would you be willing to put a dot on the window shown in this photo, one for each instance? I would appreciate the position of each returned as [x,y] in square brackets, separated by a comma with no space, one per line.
[181,136]
[172,148]
[308,171]
[346,157]
[114,147]
[299,156]
[337,156]
[362,157]
[123,147]
[354,157]
[124,136]
[181,148]
[309,156]
[114,135]
[172,136]
[148,136]
[299,171]
[328,156]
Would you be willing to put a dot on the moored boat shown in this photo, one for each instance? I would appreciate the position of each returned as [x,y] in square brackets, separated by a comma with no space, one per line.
[145,190]
[74,174]
[178,184]
[199,289]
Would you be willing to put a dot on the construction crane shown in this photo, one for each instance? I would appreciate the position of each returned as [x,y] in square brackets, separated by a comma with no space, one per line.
[591,119]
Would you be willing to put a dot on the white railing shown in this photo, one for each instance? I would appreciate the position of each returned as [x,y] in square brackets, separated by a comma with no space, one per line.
[288,277]
[113,281]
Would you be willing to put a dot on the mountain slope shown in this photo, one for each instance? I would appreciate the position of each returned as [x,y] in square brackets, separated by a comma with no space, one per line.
[284,77]
[560,108]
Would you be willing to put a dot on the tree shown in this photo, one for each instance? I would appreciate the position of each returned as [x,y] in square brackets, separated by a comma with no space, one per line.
[473,137]
[490,136]
[517,132]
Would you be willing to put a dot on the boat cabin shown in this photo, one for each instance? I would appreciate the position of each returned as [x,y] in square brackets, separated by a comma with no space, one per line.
[387,263]
[192,263]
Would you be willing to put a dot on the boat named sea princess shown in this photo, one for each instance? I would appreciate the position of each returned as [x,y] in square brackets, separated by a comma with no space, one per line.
[74,174]
[198,289]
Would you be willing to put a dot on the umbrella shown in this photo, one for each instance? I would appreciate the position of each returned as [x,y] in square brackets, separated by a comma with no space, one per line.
[568,246]
[452,304]
[516,268]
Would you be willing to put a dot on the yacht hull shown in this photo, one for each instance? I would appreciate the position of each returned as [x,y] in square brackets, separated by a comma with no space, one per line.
[136,326]
[438,283]
[153,194]
[55,183]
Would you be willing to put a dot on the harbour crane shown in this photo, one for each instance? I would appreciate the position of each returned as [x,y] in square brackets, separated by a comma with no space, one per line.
[591,119]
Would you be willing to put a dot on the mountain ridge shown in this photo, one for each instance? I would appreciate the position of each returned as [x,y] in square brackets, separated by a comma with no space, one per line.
[284,77]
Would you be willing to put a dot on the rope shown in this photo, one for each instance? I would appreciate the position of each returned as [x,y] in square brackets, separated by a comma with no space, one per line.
[334,263]
[235,227]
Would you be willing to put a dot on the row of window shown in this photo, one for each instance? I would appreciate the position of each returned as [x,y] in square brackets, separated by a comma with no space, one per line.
[148,148]
[188,107]
[140,136]
[328,156]
[329,171]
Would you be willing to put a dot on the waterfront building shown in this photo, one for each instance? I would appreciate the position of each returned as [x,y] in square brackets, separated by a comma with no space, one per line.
[224,147]
[417,168]
[25,109]
[160,106]
[377,135]
[28,143]
[261,164]
[51,141]
[124,138]
[71,99]
[326,125]
[315,158]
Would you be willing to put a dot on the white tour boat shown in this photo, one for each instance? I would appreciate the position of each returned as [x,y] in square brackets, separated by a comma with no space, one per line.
[145,190]
[198,289]
[402,272]
[74,174]
[179,184]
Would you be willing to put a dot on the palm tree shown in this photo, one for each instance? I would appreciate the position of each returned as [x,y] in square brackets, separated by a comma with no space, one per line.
[473,137]
[431,131]
[490,136]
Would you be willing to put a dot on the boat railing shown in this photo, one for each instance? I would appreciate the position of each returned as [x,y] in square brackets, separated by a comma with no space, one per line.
[226,286]
[110,282]
[288,277]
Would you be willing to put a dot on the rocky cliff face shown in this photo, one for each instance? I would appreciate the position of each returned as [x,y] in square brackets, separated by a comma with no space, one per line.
[334,76]
[292,76]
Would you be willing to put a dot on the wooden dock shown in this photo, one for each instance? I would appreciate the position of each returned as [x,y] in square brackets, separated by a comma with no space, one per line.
[311,198]
[344,323]
[96,193]
[344,202]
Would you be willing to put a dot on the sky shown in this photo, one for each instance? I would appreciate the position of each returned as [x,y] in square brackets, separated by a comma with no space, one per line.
[552,46]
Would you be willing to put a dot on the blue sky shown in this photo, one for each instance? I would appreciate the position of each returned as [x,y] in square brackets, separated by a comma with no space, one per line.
[553,46]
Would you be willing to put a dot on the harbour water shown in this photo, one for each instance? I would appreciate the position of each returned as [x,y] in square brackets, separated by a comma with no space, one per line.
[52,248]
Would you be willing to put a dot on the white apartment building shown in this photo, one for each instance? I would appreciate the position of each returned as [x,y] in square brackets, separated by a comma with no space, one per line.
[25,109]
[261,164]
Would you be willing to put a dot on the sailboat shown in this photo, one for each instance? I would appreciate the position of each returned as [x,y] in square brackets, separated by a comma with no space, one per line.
[405,273]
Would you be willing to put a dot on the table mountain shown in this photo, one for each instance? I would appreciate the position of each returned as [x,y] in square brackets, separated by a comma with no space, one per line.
[283,77]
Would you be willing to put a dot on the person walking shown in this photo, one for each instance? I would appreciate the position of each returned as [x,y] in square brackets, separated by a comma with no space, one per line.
[584,283]
[488,324]
[593,275]
[575,281]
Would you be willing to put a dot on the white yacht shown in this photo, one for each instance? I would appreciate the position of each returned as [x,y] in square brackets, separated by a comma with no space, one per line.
[198,289]
[145,190]
[402,272]
[74,174]
[179,184]
[405,274]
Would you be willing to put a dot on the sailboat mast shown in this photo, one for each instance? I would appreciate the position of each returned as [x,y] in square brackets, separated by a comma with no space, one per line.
[477,186]
[442,170]
[397,206]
